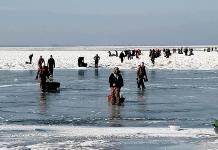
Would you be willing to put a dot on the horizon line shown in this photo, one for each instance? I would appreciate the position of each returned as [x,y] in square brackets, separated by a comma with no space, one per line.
[194,45]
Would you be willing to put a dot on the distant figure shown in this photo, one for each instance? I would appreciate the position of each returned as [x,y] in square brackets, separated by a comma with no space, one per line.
[116,82]
[31,57]
[51,64]
[122,56]
[133,53]
[167,53]
[191,52]
[152,55]
[129,55]
[126,52]
[137,53]
[41,61]
[141,75]
[96,58]
[112,54]
[116,53]
[109,53]
[186,51]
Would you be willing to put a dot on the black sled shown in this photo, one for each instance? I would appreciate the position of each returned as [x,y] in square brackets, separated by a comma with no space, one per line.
[52,87]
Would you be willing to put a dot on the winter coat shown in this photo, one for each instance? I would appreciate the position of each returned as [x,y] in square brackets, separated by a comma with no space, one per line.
[141,72]
[118,81]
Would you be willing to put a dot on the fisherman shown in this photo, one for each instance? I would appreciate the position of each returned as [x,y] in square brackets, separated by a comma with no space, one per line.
[141,75]
[121,56]
[30,58]
[41,61]
[116,53]
[96,58]
[51,65]
[116,82]
[152,55]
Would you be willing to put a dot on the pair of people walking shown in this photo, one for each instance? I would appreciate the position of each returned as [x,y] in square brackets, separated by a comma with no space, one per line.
[50,64]
[116,83]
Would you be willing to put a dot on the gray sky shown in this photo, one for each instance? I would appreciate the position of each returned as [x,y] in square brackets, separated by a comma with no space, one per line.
[108,22]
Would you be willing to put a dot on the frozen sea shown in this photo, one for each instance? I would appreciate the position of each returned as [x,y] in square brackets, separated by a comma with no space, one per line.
[30,119]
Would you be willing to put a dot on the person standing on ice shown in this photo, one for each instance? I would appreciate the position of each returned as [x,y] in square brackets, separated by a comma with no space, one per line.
[51,65]
[41,61]
[116,82]
[141,76]
[122,56]
[96,58]
[152,55]
[30,58]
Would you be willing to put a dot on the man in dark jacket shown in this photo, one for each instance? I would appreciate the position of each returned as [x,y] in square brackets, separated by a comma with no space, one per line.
[41,61]
[96,58]
[116,82]
[31,57]
[122,56]
[51,65]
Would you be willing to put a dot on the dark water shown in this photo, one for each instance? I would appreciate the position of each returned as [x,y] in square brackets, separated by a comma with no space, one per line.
[185,98]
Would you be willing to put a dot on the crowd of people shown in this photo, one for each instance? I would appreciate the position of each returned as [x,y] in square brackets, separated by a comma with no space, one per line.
[116,80]
[210,49]
[45,71]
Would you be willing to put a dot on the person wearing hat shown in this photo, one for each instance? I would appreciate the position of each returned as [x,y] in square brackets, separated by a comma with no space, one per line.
[141,75]
[116,82]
